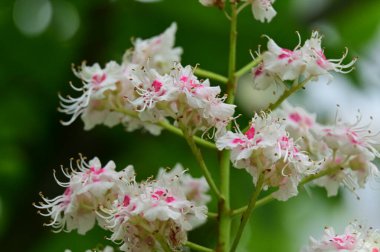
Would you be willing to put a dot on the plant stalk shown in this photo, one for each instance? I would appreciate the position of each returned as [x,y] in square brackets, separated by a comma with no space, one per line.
[224,229]
[211,75]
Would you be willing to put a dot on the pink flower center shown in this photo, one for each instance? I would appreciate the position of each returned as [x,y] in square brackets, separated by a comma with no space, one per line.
[259,70]
[237,141]
[170,199]
[157,86]
[126,201]
[353,137]
[295,117]
[68,191]
[286,53]
[344,242]
[322,61]
[98,79]
[250,133]
[162,195]
[190,85]
[96,171]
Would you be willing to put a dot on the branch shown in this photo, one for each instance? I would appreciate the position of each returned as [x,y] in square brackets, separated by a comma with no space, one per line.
[212,215]
[287,93]
[248,67]
[198,156]
[210,75]
[197,247]
[170,128]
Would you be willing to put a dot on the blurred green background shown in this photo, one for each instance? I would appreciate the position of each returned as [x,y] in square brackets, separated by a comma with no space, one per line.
[40,39]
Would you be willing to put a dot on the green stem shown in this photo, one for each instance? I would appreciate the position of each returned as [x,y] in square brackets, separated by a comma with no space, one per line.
[248,67]
[265,200]
[197,247]
[248,211]
[212,215]
[169,128]
[198,156]
[178,132]
[210,75]
[286,94]
[224,229]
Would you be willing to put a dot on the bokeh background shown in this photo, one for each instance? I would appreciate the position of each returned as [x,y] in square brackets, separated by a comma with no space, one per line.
[40,39]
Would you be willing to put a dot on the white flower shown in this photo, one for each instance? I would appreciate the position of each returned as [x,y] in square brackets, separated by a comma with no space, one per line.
[298,119]
[150,88]
[151,212]
[353,151]
[302,63]
[88,189]
[317,63]
[286,64]
[97,83]
[262,10]
[200,104]
[156,52]
[195,189]
[262,78]
[356,238]
[266,149]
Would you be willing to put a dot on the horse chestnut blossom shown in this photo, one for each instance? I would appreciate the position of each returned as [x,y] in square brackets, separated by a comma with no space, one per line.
[104,90]
[154,211]
[195,189]
[266,148]
[180,96]
[347,149]
[140,215]
[97,82]
[157,52]
[307,62]
[283,148]
[88,188]
[356,238]
[352,149]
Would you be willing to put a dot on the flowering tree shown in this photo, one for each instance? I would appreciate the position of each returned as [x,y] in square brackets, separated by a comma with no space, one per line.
[282,148]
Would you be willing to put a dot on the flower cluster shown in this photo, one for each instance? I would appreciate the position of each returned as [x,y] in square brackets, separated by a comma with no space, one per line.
[289,145]
[144,216]
[345,151]
[181,96]
[267,149]
[148,87]
[302,63]
[356,238]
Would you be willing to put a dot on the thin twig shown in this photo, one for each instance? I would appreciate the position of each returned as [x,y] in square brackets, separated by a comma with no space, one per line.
[170,128]
[211,75]
[198,156]
[248,67]
[197,247]
[287,93]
